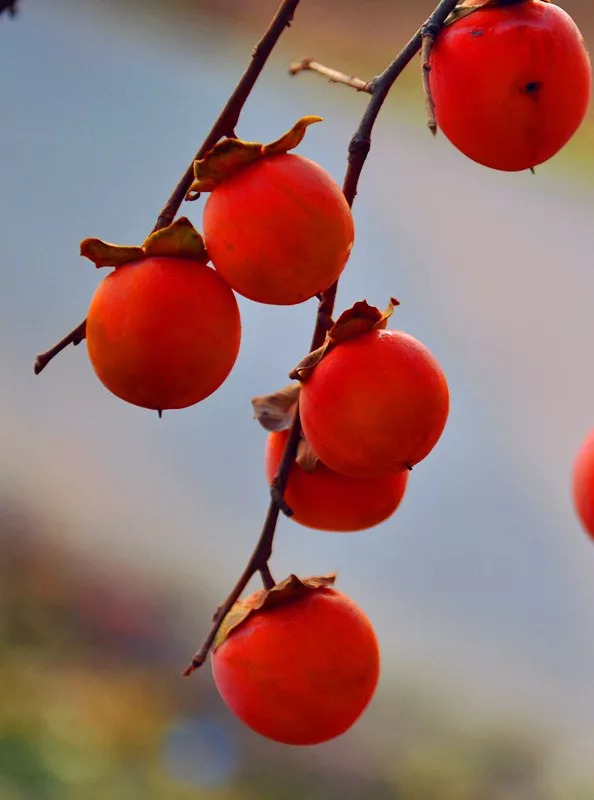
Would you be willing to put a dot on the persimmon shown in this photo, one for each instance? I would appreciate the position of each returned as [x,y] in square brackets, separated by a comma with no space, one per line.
[511,83]
[583,484]
[325,500]
[300,671]
[375,404]
[279,230]
[163,332]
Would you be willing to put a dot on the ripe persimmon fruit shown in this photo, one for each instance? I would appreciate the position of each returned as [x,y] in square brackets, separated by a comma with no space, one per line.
[279,230]
[163,332]
[375,404]
[325,500]
[583,484]
[511,83]
[299,672]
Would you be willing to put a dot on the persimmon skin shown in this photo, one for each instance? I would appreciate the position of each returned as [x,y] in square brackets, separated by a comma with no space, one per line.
[302,672]
[511,85]
[583,484]
[163,333]
[327,501]
[375,405]
[278,231]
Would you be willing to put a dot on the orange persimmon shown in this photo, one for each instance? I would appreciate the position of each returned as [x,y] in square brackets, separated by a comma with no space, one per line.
[582,484]
[299,672]
[163,332]
[511,83]
[375,404]
[325,500]
[279,230]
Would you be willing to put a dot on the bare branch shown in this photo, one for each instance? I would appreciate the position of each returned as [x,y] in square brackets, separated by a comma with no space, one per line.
[358,151]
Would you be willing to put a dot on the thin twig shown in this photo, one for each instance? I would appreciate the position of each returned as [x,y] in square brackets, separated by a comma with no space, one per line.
[427,41]
[74,337]
[333,75]
[358,151]
[223,126]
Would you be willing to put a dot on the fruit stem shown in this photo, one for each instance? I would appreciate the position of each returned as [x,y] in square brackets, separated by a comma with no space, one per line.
[224,126]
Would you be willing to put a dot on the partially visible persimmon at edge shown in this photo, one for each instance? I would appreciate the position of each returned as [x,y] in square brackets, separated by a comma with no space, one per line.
[583,483]
[376,404]
[279,230]
[302,672]
[325,500]
[163,333]
[511,84]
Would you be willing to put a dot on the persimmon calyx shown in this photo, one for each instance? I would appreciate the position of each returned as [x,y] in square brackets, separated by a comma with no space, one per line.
[287,591]
[178,240]
[466,7]
[353,322]
[230,155]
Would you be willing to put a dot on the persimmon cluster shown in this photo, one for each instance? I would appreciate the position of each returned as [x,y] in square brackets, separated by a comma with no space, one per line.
[299,661]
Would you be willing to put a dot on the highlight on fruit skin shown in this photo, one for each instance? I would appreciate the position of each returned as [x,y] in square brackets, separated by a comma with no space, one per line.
[582,484]
[375,404]
[510,83]
[301,670]
[325,500]
[163,332]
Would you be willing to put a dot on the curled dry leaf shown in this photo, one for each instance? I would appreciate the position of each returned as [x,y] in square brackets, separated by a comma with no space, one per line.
[355,321]
[105,254]
[229,156]
[287,591]
[306,457]
[180,240]
[466,7]
[275,412]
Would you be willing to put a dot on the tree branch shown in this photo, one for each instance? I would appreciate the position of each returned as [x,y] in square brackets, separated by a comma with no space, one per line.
[358,150]
[224,126]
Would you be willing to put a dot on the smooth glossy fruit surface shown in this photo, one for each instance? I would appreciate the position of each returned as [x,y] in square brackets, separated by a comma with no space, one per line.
[164,332]
[325,500]
[279,230]
[301,672]
[511,84]
[583,483]
[374,404]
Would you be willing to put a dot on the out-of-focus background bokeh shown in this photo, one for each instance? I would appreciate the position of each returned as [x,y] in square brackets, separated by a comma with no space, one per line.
[120,533]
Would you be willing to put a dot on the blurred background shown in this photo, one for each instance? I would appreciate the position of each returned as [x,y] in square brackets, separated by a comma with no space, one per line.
[120,533]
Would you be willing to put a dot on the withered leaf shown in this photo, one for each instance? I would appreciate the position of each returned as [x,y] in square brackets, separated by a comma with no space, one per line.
[275,412]
[180,240]
[105,254]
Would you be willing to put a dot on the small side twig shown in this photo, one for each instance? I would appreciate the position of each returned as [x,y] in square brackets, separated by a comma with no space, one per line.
[75,337]
[333,75]
[358,150]
[428,34]
[224,125]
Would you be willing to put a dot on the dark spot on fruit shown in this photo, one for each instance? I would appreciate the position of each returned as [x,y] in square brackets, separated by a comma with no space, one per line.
[477,32]
[532,87]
